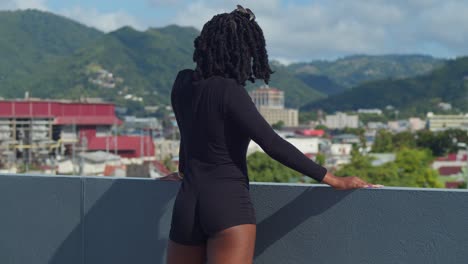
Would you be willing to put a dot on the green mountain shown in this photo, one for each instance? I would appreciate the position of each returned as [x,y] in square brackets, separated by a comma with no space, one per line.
[33,39]
[297,92]
[321,83]
[142,64]
[54,57]
[412,95]
[355,70]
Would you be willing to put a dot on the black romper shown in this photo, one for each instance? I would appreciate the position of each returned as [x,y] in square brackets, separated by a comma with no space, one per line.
[217,119]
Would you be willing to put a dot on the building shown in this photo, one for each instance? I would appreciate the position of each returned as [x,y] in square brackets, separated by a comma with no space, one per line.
[443,122]
[375,111]
[379,159]
[270,104]
[311,145]
[341,149]
[142,126]
[166,148]
[124,146]
[416,123]
[267,96]
[398,126]
[290,117]
[32,129]
[311,132]
[341,120]
[346,138]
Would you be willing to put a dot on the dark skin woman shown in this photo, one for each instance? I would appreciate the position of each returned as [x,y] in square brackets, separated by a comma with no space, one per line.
[213,218]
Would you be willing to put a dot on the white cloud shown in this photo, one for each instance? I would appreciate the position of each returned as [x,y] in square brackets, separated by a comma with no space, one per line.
[327,29]
[22,4]
[103,21]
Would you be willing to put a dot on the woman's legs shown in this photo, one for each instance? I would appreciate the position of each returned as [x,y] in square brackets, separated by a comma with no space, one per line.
[232,245]
[183,254]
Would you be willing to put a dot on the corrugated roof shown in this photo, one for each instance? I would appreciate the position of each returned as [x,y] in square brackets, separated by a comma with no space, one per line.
[87,120]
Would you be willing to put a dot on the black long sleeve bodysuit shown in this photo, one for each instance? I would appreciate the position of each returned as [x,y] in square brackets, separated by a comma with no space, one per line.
[217,119]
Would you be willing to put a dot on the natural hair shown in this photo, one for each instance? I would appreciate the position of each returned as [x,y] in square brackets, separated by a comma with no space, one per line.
[232,45]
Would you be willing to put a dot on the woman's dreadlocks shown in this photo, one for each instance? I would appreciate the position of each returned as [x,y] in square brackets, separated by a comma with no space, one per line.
[232,45]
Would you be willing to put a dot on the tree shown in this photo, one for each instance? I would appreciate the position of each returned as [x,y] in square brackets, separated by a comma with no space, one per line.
[383,141]
[262,168]
[320,159]
[410,169]
[169,164]
[278,125]
[323,127]
[440,143]
[404,139]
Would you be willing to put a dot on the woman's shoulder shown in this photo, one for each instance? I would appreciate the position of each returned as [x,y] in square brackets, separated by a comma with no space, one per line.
[184,73]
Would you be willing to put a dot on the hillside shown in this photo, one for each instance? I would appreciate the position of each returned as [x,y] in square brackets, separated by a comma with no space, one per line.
[52,56]
[33,39]
[412,95]
[355,70]
[297,92]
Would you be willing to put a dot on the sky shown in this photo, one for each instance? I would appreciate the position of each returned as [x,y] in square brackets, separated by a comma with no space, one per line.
[295,30]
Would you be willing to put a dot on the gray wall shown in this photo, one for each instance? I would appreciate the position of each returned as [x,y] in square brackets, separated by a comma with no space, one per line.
[74,220]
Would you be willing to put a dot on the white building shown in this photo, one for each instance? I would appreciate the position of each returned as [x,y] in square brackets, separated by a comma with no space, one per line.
[305,145]
[166,148]
[416,123]
[341,120]
[340,149]
[94,163]
[370,111]
[443,122]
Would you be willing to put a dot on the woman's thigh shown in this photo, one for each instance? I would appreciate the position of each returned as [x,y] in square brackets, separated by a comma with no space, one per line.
[184,254]
[232,245]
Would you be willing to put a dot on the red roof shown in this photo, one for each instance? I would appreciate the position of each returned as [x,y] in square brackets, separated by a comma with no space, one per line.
[63,113]
[453,185]
[131,145]
[311,132]
[109,170]
[87,120]
[447,171]
[453,157]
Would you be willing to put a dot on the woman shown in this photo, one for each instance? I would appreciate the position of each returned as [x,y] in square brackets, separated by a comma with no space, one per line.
[213,218]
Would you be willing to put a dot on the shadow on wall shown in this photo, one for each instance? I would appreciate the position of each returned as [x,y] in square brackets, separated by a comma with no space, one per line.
[311,202]
[113,229]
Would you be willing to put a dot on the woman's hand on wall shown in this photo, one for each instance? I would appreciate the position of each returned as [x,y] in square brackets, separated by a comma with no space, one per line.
[175,176]
[347,183]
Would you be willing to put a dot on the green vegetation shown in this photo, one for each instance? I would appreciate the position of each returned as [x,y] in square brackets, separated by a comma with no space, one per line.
[297,93]
[304,117]
[321,83]
[278,125]
[410,169]
[262,168]
[54,57]
[410,96]
[439,143]
[356,70]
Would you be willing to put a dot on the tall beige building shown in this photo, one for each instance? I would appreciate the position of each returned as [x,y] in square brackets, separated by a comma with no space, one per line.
[270,104]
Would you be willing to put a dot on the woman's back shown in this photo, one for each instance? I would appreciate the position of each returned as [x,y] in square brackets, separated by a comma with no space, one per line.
[210,142]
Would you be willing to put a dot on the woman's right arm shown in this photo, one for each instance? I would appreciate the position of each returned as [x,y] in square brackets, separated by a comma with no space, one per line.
[241,109]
